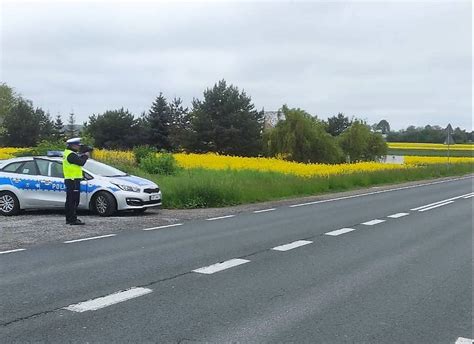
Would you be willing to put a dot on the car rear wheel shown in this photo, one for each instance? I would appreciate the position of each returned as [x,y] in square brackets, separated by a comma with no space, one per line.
[104,204]
[9,204]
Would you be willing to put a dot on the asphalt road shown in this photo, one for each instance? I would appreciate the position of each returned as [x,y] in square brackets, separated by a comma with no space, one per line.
[388,266]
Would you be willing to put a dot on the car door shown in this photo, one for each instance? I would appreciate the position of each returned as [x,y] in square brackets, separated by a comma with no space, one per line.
[52,193]
[27,180]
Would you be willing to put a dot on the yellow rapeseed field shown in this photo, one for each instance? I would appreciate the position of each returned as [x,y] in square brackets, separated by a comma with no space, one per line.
[223,162]
[429,146]
[114,156]
[8,152]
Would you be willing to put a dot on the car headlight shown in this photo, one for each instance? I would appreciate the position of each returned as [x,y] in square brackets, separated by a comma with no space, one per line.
[127,187]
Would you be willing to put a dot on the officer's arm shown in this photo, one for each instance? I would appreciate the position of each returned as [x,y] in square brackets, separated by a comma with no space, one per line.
[76,159]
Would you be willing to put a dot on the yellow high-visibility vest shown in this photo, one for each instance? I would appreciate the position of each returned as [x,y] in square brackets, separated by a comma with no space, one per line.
[71,171]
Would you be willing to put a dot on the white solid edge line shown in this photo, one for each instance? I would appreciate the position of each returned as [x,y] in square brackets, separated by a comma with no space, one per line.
[263,210]
[378,192]
[11,251]
[91,238]
[292,245]
[398,215]
[160,227]
[434,203]
[221,266]
[372,222]
[340,231]
[220,218]
[469,196]
[108,300]
[462,340]
[436,206]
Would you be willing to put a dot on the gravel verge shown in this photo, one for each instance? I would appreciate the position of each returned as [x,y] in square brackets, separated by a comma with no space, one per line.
[39,227]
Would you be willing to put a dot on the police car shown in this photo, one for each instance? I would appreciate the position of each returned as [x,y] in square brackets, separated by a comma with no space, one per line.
[37,183]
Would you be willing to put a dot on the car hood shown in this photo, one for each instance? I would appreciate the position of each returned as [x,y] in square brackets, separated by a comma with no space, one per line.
[131,181]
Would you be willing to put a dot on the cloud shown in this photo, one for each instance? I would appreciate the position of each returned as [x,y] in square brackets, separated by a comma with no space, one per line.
[407,62]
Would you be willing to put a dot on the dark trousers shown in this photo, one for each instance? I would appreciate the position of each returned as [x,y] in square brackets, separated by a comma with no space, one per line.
[72,198]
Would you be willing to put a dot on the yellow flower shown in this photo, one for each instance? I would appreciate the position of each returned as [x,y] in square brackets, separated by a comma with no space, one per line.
[9,152]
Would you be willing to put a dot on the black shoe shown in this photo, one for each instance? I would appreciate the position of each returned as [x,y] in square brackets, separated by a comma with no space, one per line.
[77,223]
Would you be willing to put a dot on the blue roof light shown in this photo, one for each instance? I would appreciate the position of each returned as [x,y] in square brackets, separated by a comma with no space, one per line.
[52,154]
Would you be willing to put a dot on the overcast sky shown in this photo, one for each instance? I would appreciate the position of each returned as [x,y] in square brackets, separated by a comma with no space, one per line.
[410,63]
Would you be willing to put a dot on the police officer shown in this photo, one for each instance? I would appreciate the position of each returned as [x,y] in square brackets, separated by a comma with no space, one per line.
[72,168]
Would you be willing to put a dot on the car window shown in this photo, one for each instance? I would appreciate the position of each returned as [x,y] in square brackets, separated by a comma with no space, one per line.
[43,166]
[57,170]
[29,168]
[12,167]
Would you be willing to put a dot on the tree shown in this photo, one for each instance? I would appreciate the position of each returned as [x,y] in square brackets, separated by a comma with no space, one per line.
[157,124]
[360,144]
[71,130]
[180,124]
[46,126]
[337,124]
[226,122]
[114,129]
[58,128]
[301,137]
[383,126]
[8,99]
[22,125]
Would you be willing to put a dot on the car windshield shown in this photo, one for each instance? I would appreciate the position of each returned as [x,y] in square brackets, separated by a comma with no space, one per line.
[103,170]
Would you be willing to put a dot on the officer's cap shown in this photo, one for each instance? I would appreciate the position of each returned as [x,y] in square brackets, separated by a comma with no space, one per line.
[74,141]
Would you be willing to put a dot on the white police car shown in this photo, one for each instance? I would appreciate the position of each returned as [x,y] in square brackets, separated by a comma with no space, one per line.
[37,183]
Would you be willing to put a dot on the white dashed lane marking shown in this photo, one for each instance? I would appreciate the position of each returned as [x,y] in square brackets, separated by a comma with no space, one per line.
[398,215]
[340,231]
[439,202]
[221,266]
[12,251]
[264,210]
[220,217]
[292,245]
[373,222]
[91,238]
[378,192]
[469,196]
[436,206]
[108,300]
[165,226]
[462,340]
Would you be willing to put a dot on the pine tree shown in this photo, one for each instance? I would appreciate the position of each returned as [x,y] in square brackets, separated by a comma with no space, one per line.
[158,123]
[58,128]
[180,124]
[46,126]
[71,126]
[226,122]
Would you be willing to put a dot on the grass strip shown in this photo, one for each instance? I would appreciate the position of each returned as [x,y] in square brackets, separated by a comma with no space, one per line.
[202,188]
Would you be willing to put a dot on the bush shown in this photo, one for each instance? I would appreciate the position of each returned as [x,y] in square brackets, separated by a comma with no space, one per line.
[141,152]
[43,147]
[164,163]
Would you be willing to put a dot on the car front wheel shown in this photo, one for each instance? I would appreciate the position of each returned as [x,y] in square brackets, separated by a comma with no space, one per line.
[9,204]
[104,204]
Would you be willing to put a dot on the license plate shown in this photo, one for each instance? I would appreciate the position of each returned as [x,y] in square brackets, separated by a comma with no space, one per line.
[154,197]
